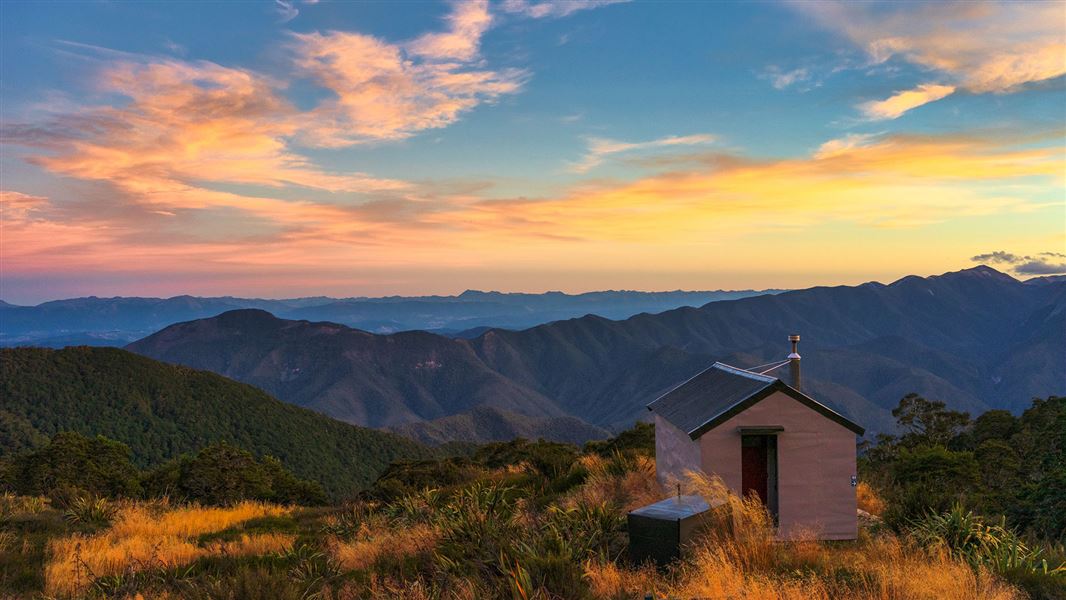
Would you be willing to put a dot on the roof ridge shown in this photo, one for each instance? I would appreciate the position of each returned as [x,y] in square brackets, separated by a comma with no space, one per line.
[744,372]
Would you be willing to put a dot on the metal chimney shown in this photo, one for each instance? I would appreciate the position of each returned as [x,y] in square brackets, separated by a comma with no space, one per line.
[794,361]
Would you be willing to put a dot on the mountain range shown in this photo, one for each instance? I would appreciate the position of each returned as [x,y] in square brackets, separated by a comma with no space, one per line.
[117,321]
[976,339]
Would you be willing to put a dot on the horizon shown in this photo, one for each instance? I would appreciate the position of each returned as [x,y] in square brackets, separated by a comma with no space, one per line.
[519,292]
[518,145]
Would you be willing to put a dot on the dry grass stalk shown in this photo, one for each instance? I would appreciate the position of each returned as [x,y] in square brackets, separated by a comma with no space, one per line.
[142,538]
[372,546]
[868,499]
[634,488]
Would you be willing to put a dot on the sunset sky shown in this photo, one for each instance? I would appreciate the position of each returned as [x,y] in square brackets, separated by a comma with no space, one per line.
[281,149]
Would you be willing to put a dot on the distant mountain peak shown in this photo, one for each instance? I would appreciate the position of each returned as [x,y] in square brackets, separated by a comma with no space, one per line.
[980,271]
[246,317]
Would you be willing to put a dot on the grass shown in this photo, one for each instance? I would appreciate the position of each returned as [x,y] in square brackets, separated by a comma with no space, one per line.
[511,532]
[147,537]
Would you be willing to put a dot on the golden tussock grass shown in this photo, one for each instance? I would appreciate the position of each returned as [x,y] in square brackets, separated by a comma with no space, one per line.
[370,546]
[251,545]
[739,558]
[408,589]
[868,499]
[634,488]
[142,538]
[607,580]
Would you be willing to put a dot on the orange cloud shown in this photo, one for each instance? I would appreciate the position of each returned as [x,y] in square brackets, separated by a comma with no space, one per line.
[980,47]
[894,181]
[386,91]
[665,221]
[901,102]
[184,157]
[185,124]
[467,22]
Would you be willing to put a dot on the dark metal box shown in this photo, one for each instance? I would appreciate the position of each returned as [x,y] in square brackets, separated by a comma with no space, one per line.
[658,531]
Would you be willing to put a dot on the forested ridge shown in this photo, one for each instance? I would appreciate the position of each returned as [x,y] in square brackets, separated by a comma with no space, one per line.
[162,411]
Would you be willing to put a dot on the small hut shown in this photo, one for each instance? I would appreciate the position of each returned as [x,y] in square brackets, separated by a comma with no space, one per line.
[766,437]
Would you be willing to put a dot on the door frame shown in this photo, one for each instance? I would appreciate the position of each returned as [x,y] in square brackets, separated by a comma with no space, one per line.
[767,439]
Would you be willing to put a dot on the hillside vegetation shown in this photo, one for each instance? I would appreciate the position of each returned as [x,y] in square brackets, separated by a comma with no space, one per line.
[486,424]
[517,520]
[162,411]
[1002,466]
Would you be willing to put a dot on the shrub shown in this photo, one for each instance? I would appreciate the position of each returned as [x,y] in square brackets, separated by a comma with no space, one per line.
[928,478]
[90,511]
[96,466]
[478,526]
[552,460]
[222,475]
[968,537]
[640,439]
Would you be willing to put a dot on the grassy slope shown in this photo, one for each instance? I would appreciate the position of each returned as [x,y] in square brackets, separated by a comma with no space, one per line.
[473,540]
[161,411]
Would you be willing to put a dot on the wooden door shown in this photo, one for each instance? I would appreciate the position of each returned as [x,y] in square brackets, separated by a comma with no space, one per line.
[755,472]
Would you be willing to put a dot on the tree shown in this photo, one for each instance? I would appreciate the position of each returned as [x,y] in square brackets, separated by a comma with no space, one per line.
[928,422]
[224,474]
[286,488]
[994,425]
[75,464]
[929,478]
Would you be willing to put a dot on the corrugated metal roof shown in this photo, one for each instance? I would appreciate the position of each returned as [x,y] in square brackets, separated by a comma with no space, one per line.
[673,509]
[707,395]
[720,391]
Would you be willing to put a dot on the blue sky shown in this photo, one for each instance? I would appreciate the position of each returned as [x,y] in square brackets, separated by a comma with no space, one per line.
[269,148]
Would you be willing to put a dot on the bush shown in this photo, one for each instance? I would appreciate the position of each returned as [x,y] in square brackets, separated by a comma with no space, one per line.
[89,511]
[970,538]
[552,460]
[224,475]
[928,478]
[409,477]
[94,466]
[640,439]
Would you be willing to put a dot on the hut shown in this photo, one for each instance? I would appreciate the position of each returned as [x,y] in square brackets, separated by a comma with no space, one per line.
[766,437]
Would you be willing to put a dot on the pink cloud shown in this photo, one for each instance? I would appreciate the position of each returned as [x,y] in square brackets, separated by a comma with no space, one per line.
[388,91]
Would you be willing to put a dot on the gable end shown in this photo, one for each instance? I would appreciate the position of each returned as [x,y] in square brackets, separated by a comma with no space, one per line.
[778,386]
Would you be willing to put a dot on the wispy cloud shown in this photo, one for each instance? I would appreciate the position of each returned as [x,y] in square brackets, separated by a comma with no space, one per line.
[844,145]
[863,184]
[782,79]
[884,182]
[286,10]
[185,122]
[901,102]
[1044,263]
[553,8]
[388,91]
[468,21]
[200,167]
[986,47]
[599,149]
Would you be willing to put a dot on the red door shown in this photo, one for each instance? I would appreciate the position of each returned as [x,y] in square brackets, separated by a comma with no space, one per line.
[754,472]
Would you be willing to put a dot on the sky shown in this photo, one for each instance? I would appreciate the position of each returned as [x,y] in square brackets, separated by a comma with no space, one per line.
[296,148]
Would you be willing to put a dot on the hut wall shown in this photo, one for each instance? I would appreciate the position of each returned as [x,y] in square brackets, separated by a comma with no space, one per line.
[815,463]
[675,452]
